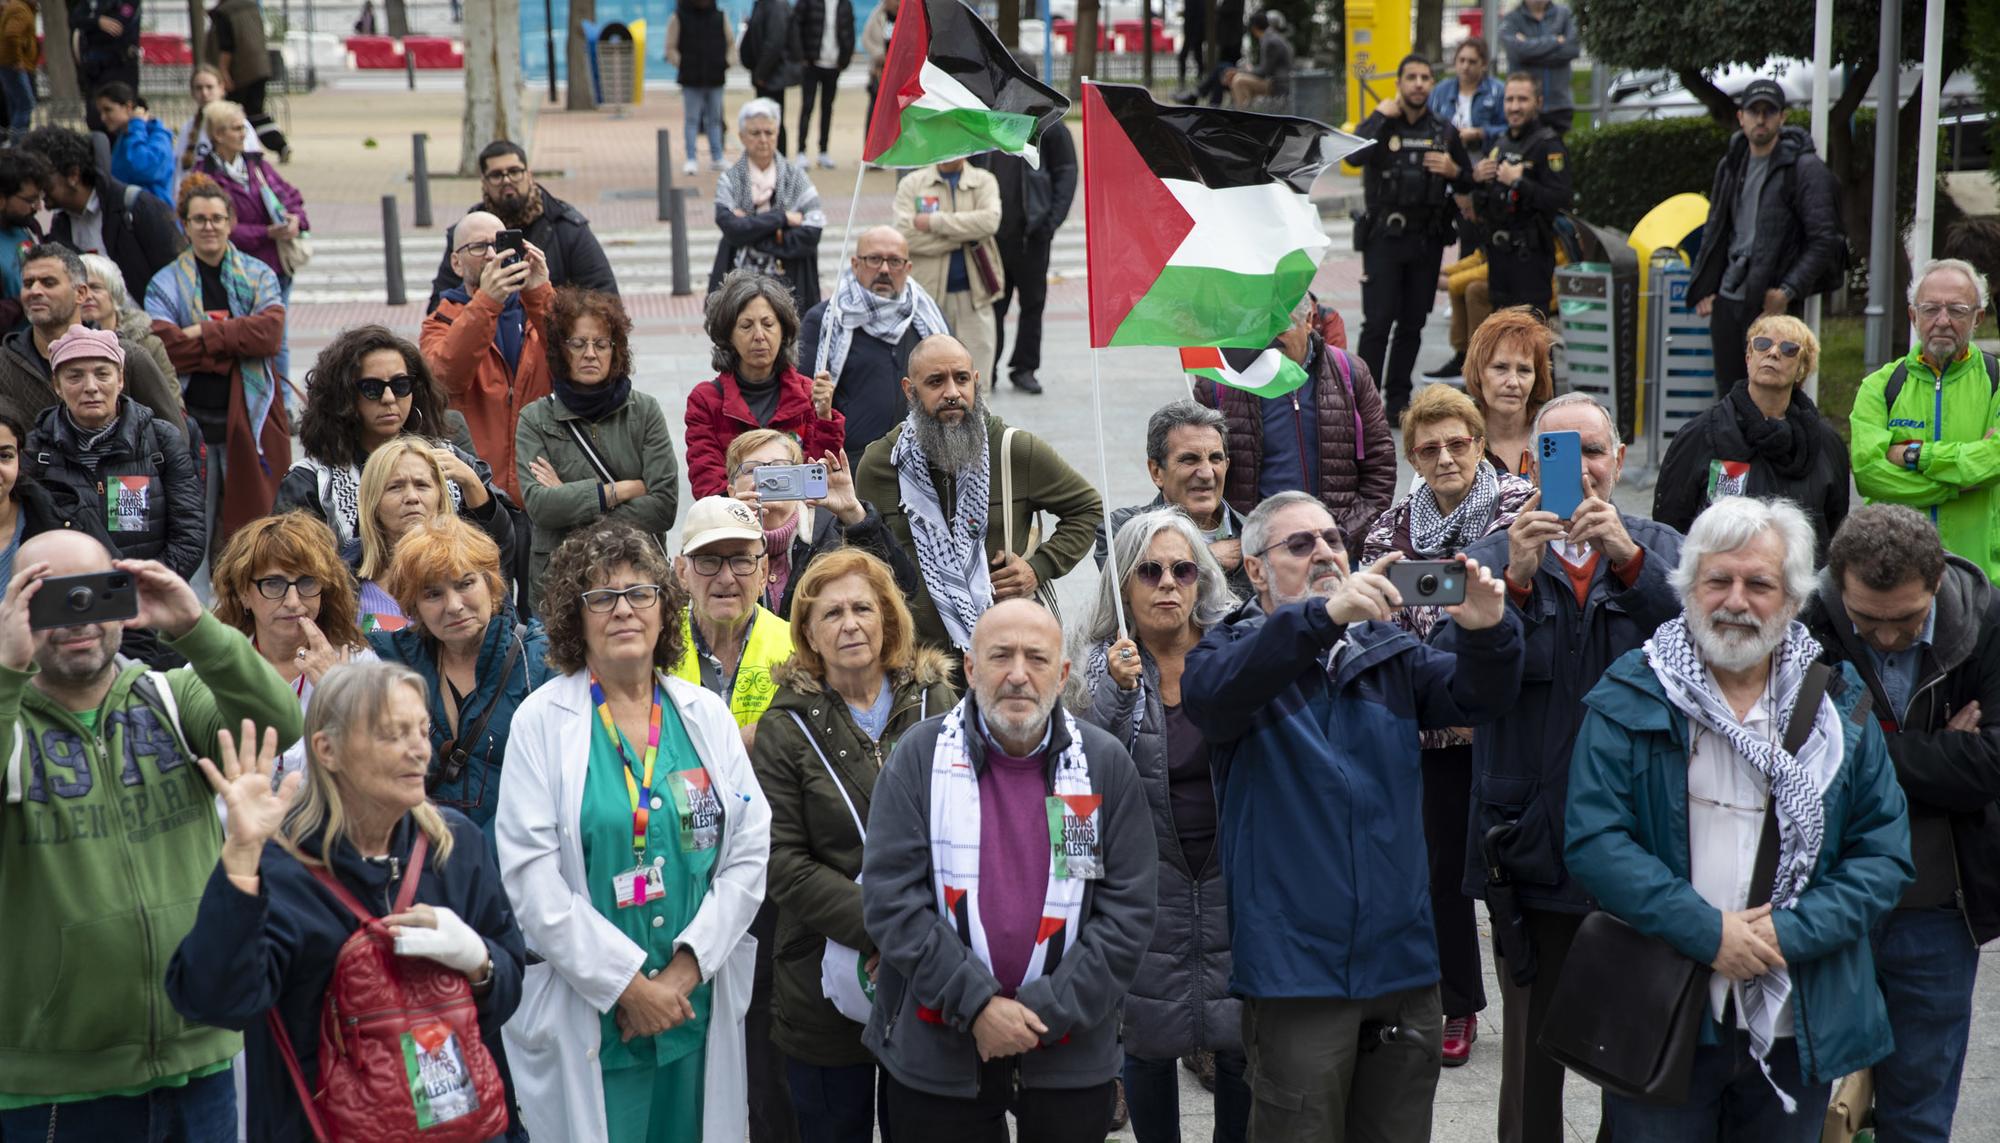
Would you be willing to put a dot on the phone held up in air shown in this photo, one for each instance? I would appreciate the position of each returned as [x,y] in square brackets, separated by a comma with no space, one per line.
[73,600]
[790,481]
[1429,583]
[509,241]
[1559,457]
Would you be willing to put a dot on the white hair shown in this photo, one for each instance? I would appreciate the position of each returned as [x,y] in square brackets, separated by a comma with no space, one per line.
[760,109]
[1212,599]
[1734,522]
[1954,265]
[1572,399]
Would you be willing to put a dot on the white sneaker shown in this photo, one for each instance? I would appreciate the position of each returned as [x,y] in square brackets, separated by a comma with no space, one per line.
[801,161]
[826,162]
[719,165]
[690,167]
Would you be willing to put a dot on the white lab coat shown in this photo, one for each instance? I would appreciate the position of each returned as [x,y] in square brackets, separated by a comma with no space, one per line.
[553,1037]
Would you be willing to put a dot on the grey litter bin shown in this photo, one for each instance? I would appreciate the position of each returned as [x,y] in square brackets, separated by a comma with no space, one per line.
[617,65]
[1316,94]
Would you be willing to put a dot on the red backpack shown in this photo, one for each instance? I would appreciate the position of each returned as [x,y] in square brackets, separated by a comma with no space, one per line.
[400,1058]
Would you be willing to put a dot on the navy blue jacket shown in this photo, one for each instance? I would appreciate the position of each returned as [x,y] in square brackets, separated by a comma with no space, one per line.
[1520,764]
[1320,789]
[246,954]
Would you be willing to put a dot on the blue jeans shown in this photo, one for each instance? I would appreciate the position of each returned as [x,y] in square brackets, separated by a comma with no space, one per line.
[1729,1101]
[204,1111]
[1152,1094]
[1925,963]
[701,113]
[19,86]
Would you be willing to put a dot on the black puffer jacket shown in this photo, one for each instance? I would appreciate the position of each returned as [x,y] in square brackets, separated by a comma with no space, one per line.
[1952,778]
[1798,221]
[1815,478]
[141,487]
[771,49]
[809,19]
[829,533]
[564,237]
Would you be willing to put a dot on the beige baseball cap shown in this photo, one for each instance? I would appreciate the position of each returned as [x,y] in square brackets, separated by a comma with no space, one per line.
[714,519]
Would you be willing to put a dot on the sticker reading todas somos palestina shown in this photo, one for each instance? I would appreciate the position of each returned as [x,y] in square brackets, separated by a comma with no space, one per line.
[440,1084]
[1075,847]
[700,810]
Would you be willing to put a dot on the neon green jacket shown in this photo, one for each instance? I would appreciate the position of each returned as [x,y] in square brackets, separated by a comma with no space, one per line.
[1957,417]
[770,644]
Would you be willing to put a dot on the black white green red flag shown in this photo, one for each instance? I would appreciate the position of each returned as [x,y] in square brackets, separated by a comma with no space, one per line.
[1266,372]
[950,89]
[1200,229]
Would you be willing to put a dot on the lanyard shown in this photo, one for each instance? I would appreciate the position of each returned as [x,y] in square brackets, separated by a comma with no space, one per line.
[640,788]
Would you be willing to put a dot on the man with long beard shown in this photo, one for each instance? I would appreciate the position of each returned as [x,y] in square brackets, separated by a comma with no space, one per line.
[938,482]
[507,188]
[1694,818]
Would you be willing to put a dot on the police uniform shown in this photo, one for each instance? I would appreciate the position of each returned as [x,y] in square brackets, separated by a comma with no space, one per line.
[1519,221]
[1402,239]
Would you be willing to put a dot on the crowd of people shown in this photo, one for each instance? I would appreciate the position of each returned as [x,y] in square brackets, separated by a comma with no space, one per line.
[464,800]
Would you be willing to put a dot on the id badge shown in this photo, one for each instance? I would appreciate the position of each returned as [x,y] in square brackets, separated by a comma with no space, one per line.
[700,810]
[1076,846]
[639,885]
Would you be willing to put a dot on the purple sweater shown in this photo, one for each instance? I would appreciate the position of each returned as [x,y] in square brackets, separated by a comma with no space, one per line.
[1013,861]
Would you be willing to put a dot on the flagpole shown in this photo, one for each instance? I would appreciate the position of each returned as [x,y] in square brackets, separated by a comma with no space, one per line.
[1104,473]
[853,204]
[846,248]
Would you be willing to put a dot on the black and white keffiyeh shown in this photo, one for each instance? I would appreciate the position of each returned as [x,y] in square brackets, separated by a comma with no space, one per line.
[1435,535]
[340,499]
[855,306]
[795,193]
[1797,784]
[950,553]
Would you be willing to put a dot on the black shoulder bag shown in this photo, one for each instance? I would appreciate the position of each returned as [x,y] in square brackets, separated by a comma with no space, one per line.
[1627,1012]
[455,755]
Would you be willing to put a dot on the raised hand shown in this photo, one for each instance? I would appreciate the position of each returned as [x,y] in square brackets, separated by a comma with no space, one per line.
[166,602]
[1366,594]
[840,498]
[256,810]
[1485,599]
[17,639]
[318,656]
[1527,538]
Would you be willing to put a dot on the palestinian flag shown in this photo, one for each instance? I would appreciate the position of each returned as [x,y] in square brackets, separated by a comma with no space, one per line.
[1265,372]
[950,89]
[1199,228]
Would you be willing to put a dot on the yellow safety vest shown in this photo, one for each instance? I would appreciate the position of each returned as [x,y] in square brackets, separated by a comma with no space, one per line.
[770,644]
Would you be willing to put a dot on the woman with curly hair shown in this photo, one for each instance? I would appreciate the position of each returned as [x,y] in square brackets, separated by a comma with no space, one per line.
[754,332]
[633,840]
[368,388]
[594,448]
[1509,378]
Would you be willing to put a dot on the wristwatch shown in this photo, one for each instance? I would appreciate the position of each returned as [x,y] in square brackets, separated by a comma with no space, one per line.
[1910,452]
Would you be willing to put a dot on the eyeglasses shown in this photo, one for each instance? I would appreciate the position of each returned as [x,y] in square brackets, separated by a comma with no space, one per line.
[275,586]
[1765,344]
[738,565]
[640,595]
[882,261]
[750,466]
[207,221]
[485,247]
[578,344]
[511,174]
[1185,572]
[1299,545]
[402,385]
[1959,311]
[1458,447]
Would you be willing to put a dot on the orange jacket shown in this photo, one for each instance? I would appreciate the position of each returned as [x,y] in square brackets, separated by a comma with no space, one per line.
[18,46]
[457,343]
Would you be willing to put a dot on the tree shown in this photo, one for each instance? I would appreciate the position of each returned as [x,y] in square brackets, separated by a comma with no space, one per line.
[56,54]
[577,60]
[492,79]
[1083,63]
[1430,30]
[397,15]
[1007,22]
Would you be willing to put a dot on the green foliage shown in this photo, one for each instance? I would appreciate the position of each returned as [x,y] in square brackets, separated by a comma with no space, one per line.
[1983,24]
[1702,37]
[1622,170]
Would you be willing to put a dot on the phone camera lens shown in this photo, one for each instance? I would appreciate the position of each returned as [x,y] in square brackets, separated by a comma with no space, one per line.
[1427,584]
[80,598]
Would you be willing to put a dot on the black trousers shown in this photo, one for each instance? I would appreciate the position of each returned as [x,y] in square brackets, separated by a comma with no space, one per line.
[1729,331]
[1398,288]
[93,74]
[818,86]
[1531,1084]
[1518,280]
[1191,49]
[1041,1115]
[771,1117]
[1447,805]
[777,96]
[251,96]
[1027,265]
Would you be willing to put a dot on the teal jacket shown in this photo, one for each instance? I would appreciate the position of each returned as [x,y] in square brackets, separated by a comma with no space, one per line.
[1627,831]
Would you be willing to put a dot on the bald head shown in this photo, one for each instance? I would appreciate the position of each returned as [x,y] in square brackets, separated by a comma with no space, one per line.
[475,230]
[1018,619]
[74,661]
[939,351]
[1017,670]
[66,552]
[882,261]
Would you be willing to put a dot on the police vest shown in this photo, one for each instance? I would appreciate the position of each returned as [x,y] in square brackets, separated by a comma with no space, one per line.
[770,643]
[1401,183]
[1496,200]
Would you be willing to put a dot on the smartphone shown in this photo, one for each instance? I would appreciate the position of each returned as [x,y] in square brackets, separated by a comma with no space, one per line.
[1559,459]
[1433,583]
[790,481]
[509,240]
[73,600]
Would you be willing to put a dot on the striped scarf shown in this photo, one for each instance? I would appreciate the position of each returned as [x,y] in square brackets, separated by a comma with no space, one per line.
[794,192]
[259,389]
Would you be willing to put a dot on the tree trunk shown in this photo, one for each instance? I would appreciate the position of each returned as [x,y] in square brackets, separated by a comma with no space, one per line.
[56,52]
[492,80]
[398,16]
[1718,102]
[1007,22]
[1430,30]
[1146,43]
[577,59]
[1084,60]
[197,32]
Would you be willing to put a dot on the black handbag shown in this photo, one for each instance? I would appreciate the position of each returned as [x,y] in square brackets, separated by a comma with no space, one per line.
[1627,1011]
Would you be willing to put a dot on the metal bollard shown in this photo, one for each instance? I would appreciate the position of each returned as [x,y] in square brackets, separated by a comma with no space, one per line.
[392,251]
[420,178]
[666,174]
[409,66]
[682,285]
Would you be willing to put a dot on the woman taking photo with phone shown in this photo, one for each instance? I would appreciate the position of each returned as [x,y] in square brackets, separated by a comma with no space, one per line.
[797,531]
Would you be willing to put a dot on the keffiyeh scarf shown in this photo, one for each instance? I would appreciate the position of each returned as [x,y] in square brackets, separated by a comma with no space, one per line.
[1436,535]
[737,190]
[951,553]
[340,500]
[1797,784]
[955,823]
[251,287]
[854,306]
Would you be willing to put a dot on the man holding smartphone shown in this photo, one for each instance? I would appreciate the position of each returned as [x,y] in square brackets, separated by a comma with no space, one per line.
[110,833]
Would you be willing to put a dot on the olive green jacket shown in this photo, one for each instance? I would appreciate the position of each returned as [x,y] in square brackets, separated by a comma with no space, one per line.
[815,849]
[633,442]
[1043,482]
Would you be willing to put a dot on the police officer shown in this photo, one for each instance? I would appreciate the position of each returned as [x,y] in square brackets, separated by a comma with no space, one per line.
[1519,188]
[1408,177]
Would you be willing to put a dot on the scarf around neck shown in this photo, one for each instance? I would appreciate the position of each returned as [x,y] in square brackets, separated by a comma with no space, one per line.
[245,298]
[1789,443]
[950,553]
[593,402]
[1435,535]
[854,306]
[778,547]
[1797,784]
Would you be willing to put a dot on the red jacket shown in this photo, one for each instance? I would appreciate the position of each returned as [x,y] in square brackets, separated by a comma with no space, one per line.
[717,414]
[457,343]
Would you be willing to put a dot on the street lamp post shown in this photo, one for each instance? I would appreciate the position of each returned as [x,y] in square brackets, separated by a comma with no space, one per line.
[549,29]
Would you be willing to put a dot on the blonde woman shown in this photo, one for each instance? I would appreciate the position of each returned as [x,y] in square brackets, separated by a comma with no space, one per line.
[269,926]
[402,487]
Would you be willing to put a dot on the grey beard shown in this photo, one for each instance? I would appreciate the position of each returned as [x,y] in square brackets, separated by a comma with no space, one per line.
[951,448]
[1732,648]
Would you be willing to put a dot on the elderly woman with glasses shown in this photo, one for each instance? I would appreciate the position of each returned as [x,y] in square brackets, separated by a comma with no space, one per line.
[594,448]
[633,841]
[1764,438]
[109,307]
[754,331]
[1171,590]
[768,211]
[1459,497]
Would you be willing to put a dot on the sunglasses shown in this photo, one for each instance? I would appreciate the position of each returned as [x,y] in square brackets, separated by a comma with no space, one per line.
[1299,545]
[1458,447]
[402,385]
[1764,344]
[1150,573]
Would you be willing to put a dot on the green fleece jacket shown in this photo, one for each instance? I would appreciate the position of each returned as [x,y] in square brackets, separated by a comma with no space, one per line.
[107,840]
[1043,483]
[1955,416]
